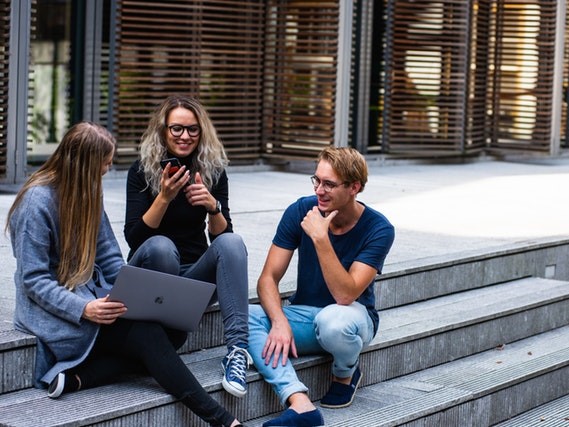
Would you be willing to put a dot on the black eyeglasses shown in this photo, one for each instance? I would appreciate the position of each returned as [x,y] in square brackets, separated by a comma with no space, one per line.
[178,130]
[327,186]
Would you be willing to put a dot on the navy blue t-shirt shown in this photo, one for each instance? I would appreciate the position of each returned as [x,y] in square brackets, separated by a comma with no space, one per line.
[368,242]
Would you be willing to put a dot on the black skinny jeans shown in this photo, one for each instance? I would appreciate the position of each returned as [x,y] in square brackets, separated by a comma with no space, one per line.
[128,346]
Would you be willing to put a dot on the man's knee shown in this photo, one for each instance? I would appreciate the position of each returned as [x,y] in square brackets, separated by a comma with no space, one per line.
[336,323]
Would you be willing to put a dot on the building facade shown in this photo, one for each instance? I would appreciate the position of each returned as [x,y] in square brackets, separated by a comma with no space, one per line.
[397,79]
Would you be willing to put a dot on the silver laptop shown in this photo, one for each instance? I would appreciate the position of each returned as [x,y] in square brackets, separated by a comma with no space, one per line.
[174,301]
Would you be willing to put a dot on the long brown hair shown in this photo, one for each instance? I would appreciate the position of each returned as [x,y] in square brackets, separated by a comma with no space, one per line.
[75,170]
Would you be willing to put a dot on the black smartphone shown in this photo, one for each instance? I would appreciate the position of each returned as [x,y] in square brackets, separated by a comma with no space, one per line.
[174,165]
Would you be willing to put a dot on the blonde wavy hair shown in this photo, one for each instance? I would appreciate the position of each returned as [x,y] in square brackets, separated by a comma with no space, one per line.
[75,170]
[211,158]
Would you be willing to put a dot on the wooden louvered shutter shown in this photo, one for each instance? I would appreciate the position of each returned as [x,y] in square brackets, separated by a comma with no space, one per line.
[300,77]
[522,57]
[427,76]
[4,57]
[211,49]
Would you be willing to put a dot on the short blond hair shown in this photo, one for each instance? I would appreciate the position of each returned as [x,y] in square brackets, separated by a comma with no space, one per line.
[348,163]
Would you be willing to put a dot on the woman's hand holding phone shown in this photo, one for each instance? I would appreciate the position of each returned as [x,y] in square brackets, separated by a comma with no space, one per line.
[174,177]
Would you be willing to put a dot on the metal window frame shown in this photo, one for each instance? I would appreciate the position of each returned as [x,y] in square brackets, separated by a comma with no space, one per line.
[91,90]
[342,112]
[18,72]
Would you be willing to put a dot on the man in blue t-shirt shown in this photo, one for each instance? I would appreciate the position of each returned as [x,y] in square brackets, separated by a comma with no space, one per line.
[342,245]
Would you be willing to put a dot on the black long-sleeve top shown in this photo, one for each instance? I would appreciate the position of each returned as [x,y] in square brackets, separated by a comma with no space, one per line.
[183,223]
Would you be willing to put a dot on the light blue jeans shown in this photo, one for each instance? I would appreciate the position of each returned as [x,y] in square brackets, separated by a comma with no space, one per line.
[341,330]
[223,263]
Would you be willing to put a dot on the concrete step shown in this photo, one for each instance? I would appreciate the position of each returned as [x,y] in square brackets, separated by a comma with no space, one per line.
[404,284]
[17,356]
[425,334]
[477,391]
[134,401]
[421,281]
[551,414]
[412,338]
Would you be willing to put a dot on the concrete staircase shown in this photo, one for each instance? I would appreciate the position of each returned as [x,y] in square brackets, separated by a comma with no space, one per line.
[476,340]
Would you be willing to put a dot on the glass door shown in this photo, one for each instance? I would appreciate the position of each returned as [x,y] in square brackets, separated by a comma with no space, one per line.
[50,78]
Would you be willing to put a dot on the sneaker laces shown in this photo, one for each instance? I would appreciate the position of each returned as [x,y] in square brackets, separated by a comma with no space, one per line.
[238,361]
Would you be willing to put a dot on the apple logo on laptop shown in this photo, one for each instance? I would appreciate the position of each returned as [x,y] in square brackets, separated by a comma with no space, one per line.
[159,300]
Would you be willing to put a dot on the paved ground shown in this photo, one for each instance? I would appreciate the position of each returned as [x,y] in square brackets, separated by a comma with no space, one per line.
[438,210]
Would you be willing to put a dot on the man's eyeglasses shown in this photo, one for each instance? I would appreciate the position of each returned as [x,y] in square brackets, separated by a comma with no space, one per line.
[327,186]
[178,130]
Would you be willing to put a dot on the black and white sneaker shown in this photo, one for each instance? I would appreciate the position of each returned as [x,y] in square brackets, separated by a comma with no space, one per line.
[56,387]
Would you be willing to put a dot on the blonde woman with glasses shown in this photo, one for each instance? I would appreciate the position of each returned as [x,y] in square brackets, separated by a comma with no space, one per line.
[178,222]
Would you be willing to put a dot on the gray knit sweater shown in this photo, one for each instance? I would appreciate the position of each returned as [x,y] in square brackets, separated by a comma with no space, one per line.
[44,308]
